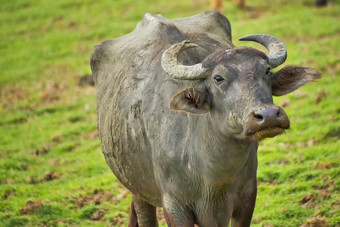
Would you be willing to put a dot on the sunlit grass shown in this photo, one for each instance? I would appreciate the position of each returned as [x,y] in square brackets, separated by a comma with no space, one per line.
[48,122]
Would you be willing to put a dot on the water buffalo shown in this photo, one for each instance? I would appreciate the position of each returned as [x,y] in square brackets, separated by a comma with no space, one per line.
[181,111]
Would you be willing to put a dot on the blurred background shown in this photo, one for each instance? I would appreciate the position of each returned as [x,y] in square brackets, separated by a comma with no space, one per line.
[52,172]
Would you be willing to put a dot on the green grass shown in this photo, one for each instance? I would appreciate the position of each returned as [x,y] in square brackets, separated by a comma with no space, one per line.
[48,122]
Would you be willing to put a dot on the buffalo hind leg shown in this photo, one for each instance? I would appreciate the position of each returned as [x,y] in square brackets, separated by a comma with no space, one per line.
[142,214]
[133,217]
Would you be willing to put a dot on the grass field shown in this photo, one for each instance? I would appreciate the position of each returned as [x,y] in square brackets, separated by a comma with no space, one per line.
[52,172]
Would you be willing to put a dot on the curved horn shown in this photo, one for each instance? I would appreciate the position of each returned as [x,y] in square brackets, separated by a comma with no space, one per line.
[182,72]
[277,50]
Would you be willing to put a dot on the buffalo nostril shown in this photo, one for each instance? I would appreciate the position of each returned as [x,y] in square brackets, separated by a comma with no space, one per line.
[258,116]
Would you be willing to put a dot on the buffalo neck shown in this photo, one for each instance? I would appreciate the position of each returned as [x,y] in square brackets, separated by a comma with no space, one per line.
[221,157]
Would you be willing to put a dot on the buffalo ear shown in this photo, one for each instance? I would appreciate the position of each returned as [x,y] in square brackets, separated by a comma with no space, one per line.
[190,100]
[291,78]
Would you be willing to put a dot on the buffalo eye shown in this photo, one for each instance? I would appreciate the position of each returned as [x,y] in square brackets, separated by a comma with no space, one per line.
[218,78]
[268,71]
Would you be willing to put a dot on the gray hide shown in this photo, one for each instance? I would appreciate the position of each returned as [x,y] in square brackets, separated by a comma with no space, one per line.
[176,160]
[137,130]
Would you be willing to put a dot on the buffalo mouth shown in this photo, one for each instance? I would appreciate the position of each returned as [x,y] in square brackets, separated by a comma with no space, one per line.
[269,132]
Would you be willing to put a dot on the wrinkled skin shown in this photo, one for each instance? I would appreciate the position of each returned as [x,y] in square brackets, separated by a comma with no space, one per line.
[189,146]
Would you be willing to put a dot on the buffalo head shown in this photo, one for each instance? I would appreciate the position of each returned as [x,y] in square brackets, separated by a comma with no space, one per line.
[235,87]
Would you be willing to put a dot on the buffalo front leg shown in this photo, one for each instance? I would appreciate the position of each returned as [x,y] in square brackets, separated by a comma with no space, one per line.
[243,214]
[142,214]
[176,215]
[174,219]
